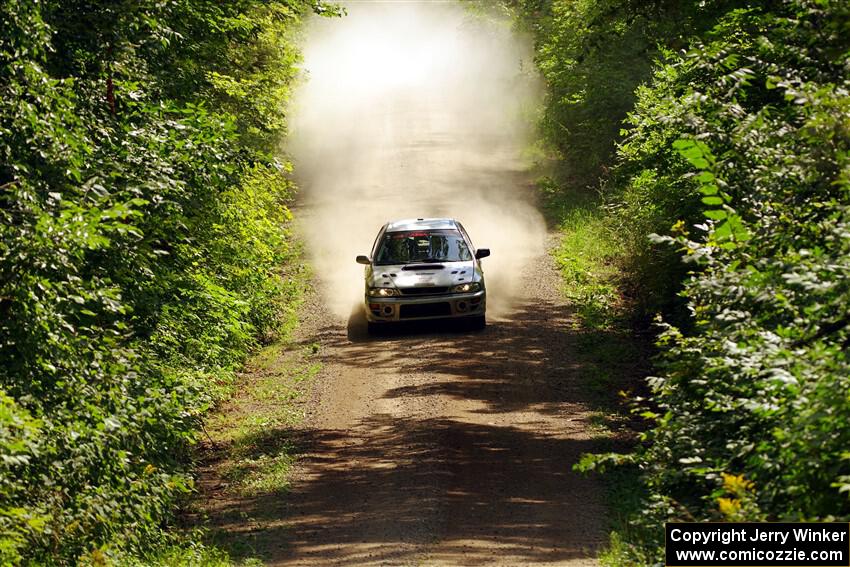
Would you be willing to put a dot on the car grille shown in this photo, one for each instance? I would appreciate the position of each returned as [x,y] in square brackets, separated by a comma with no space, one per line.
[423,290]
[425,310]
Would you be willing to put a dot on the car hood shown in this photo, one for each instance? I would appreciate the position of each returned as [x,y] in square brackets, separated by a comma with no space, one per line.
[423,275]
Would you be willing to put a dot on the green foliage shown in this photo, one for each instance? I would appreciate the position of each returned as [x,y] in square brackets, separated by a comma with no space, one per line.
[19,443]
[596,58]
[731,197]
[588,257]
[747,142]
[260,454]
[592,55]
[174,552]
[142,239]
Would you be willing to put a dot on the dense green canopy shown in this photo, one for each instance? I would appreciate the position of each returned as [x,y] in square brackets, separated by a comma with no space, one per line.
[142,249]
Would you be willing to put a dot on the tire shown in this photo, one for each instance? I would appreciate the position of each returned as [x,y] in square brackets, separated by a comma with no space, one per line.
[478,323]
[373,328]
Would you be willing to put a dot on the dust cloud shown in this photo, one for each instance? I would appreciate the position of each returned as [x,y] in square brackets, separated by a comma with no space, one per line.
[415,109]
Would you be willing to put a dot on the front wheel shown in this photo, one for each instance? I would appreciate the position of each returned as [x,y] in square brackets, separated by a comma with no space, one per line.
[373,328]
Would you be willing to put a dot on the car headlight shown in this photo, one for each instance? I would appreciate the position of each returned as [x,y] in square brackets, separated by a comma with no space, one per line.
[466,287]
[382,292]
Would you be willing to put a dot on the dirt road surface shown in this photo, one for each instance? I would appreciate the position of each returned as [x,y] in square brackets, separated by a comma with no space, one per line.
[436,446]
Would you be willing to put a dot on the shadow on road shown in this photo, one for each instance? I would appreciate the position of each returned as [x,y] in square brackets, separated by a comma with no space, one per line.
[357,329]
[375,500]
[485,489]
[536,346]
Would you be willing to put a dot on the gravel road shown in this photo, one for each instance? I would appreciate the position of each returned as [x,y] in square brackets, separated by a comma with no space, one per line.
[439,446]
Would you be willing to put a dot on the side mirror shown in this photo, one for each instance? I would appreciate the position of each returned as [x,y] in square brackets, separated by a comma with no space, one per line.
[482,253]
[363,260]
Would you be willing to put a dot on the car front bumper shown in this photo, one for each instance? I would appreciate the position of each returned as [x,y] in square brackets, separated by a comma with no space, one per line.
[443,306]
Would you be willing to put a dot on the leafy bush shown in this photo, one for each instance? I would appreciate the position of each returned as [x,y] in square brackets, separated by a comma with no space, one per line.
[592,55]
[142,239]
[746,139]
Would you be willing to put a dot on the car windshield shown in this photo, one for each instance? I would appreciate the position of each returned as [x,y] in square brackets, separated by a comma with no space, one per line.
[409,246]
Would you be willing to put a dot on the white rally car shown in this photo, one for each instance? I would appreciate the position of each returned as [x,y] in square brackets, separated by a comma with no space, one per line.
[424,269]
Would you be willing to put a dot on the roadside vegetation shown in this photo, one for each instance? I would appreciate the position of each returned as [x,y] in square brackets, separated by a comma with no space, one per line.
[252,425]
[704,148]
[249,449]
[144,253]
